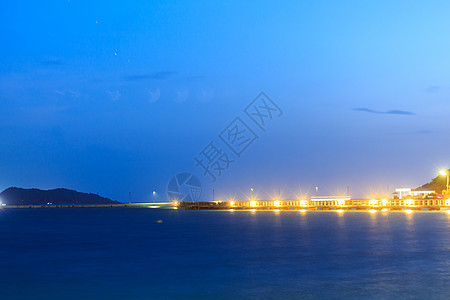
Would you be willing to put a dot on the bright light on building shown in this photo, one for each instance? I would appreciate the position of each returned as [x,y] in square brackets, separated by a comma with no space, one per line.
[341,202]
[277,203]
[253,203]
[448,212]
[384,202]
[303,202]
[373,202]
[447,202]
[409,211]
[409,202]
[231,203]
[443,173]
[175,203]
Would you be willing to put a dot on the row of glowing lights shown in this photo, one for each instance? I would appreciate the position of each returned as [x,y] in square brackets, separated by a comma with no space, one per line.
[373,202]
[340,211]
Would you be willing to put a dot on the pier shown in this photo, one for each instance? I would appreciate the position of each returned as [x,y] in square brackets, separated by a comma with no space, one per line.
[313,204]
[338,204]
[135,205]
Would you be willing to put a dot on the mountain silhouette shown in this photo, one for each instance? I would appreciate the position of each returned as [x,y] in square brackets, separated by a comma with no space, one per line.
[19,196]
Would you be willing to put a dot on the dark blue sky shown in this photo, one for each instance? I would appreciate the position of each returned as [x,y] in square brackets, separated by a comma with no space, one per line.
[121,95]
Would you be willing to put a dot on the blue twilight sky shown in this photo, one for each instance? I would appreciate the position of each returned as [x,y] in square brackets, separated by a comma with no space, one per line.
[118,96]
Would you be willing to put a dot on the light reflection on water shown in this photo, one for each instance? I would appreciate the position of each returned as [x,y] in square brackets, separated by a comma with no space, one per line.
[125,253]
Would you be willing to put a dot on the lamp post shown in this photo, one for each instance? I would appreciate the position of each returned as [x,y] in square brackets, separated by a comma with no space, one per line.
[252,193]
[445,173]
[154,196]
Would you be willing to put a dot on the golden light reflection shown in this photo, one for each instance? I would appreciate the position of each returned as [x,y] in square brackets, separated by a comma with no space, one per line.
[231,210]
[372,211]
[408,211]
[448,212]
[302,210]
[252,210]
[340,211]
[276,210]
[384,210]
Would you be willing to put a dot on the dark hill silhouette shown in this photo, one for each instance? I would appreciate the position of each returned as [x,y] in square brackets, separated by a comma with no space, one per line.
[438,184]
[19,196]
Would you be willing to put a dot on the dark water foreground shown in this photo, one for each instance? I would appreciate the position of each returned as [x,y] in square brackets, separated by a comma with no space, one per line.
[124,253]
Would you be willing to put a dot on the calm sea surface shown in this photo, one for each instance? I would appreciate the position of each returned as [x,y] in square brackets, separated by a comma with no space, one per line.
[125,254]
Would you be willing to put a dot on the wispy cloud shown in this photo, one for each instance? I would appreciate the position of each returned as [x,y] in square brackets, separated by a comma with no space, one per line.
[433,89]
[155,76]
[437,89]
[389,112]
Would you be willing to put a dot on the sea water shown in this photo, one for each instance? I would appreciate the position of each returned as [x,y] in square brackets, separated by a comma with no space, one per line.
[125,253]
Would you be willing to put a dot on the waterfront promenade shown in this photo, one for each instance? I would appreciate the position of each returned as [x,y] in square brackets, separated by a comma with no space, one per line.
[135,205]
[338,204]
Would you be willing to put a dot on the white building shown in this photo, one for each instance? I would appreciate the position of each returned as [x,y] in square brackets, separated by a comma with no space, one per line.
[421,192]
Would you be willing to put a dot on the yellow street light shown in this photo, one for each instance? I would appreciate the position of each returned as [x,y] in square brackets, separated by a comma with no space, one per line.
[445,173]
